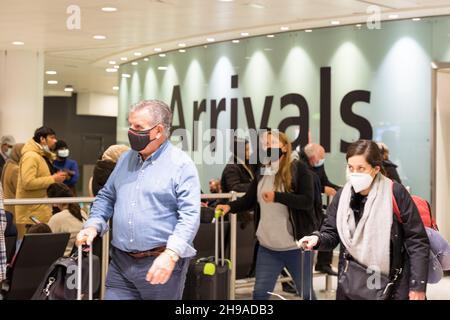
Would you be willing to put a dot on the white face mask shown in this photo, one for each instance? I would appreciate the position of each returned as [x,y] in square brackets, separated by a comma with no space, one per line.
[360,181]
[8,152]
[319,163]
[63,153]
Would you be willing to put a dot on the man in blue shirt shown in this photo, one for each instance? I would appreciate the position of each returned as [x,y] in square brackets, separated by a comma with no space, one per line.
[63,163]
[153,197]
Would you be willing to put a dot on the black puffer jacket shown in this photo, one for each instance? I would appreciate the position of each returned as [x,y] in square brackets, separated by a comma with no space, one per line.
[415,242]
[236,176]
[299,202]
[102,171]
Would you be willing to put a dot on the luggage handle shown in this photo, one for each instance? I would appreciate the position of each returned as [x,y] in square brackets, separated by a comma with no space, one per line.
[80,270]
[219,218]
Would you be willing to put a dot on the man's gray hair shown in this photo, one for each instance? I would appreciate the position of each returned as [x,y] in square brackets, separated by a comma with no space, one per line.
[158,110]
[311,149]
[8,140]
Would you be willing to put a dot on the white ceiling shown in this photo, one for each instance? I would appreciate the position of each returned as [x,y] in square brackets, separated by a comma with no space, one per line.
[145,24]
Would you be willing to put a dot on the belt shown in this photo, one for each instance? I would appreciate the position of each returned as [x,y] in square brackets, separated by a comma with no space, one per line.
[149,253]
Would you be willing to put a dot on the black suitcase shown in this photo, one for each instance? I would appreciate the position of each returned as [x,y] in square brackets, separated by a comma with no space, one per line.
[209,278]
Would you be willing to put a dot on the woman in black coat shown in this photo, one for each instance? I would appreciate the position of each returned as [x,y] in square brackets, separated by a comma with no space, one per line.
[361,219]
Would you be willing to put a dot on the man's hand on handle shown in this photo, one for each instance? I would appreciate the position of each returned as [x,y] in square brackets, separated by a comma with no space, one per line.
[86,236]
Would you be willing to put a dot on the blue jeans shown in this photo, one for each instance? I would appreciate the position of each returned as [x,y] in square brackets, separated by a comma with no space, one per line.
[126,279]
[270,263]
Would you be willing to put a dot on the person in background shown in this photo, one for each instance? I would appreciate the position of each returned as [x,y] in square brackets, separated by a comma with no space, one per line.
[282,196]
[65,164]
[153,196]
[388,165]
[313,157]
[214,187]
[36,174]
[10,175]
[105,165]
[6,145]
[39,228]
[361,219]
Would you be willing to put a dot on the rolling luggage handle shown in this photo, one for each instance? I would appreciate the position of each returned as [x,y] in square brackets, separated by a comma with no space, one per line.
[80,270]
[219,217]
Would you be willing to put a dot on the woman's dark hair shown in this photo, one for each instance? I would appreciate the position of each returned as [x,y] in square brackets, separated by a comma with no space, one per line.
[60,190]
[369,150]
[39,228]
[42,132]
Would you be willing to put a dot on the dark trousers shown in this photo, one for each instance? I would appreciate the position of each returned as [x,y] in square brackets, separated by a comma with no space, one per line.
[324,258]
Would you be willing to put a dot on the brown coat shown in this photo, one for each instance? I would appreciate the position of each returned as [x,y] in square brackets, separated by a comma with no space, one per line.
[34,179]
[10,175]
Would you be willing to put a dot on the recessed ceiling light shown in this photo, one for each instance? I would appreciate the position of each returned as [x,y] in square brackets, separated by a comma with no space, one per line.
[109,9]
[284,28]
[210,39]
[226,0]
[146,59]
[116,67]
[111,70]
[256,5]
[182,50]
[416,19]
[162,68]
[270,36]
[138,54]
[308,30]
[245,34]
[162,55]
[393,16]
[52,82]
[134,63]
[99,37]
[235,41]
[182,45]
[124,58]
[359,25]
[50,72]
[115,88]
[157,49]
[126,75]
[18,43]
[68,88]
[112,62]
[335,22]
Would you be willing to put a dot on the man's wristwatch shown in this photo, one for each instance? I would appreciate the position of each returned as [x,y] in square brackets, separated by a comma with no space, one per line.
[173,255]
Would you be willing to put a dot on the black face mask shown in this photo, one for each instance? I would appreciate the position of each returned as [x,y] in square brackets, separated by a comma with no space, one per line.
[139,140]
[273,154]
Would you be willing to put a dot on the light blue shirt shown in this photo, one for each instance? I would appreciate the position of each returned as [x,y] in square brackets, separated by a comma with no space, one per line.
[153,203]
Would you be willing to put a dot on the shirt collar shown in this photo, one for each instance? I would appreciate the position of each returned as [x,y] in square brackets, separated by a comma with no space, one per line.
[155,155]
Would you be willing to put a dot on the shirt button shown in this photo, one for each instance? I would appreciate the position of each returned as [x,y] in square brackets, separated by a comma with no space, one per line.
[129,222]
[131,240]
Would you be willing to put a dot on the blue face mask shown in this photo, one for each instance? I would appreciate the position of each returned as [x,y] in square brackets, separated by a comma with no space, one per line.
[319,163]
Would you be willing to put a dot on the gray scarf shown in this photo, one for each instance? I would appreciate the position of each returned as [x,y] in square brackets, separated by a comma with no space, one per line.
[369,241]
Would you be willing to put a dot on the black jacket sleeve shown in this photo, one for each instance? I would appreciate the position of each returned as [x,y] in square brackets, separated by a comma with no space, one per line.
[415,238]
[393,174]
[246,202]
[303,198]
[328,235]
[231,180]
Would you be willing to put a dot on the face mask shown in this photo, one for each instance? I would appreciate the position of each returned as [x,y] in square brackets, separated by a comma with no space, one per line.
[63,153]
[139,140]
[8,152]
[274,154]
[319,163]
[360,181]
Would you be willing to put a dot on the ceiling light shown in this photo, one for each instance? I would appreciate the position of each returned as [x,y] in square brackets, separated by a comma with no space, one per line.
[18,43]
[126,75]
[256,5]
[335,22]
[235,41]
[284,28]
[111,70]
[109,9]
[162,68]
[115,88]
[210,39]
[134,63]
[112,62]
[52,82]
[226,0]
[157,49]
[182,45]
[116,67]
[245,34]
[270,36]
[359,25]
[308,30]
[50,72]
[182,50]
[416,19]
[138,54]
[162,55]
[124,58]
[68,88]
[393,16]
[99,37]
[145,59]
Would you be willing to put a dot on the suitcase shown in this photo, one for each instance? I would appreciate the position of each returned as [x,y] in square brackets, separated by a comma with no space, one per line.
[209,277]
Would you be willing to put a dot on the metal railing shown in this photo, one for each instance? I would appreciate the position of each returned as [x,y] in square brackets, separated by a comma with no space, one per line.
[105,239]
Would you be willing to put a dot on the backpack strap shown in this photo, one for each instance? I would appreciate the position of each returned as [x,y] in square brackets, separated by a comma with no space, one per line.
[395,205]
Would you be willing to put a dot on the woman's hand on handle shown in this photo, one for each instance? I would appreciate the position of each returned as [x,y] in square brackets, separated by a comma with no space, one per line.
[308,243]
[224,207]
